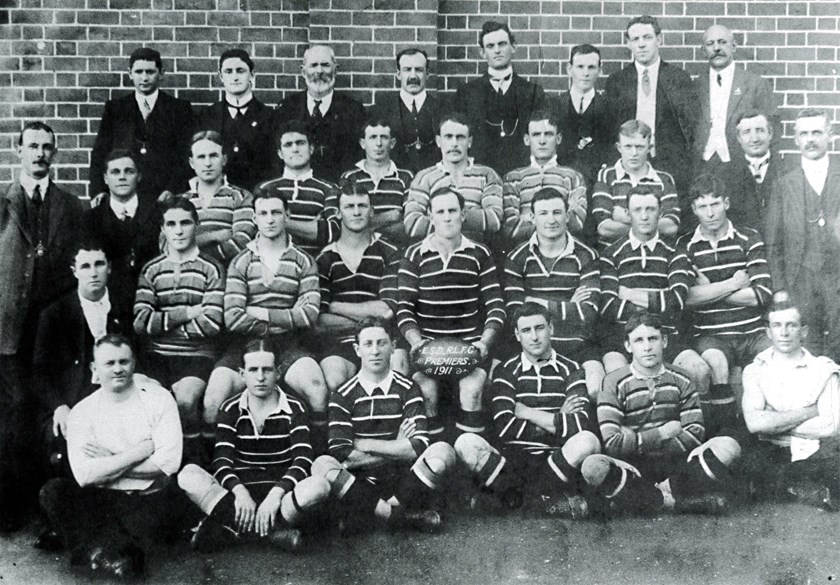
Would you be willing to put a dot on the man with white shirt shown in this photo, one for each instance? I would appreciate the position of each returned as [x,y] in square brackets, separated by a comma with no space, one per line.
[334,117]
[792,403]
[726,92]
[802,232]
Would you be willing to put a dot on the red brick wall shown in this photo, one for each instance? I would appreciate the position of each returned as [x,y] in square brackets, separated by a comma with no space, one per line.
[61,59]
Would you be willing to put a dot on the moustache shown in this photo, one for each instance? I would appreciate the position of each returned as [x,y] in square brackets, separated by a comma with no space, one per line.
[413,81]
[321,77]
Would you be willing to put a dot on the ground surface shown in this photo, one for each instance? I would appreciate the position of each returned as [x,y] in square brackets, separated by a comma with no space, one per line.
[779,544]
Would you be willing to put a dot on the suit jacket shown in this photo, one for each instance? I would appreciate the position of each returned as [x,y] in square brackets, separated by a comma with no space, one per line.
[406,156]
[676,115]
[249,143]
[749,92]
[17,259]
[506,153]
[164,136]
[64,350]
[336,137]
[785,221]
[593,128]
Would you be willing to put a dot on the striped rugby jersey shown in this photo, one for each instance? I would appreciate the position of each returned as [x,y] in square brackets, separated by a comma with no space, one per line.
[387,195]
[231,209]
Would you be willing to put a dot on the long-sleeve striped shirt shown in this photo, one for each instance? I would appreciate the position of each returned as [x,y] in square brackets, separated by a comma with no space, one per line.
[528,273]
[545,388]
[358,411]
[309,199]
[279,454]
[647,266]
[230,209]
[456,297]
[166,289]
[386,195]
[481,189]
[519,189]
[614,183]
[291,295]
[375,279]
[738,249]
[631,406]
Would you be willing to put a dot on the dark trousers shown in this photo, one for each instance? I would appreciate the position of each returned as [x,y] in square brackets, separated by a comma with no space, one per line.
[18,469]
[815,293]
[771,470]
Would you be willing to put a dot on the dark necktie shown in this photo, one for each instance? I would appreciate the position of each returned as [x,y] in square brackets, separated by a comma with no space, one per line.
[240,110]
[501,81]
[414,111]
[580,109]
[37,199]
[719,80]
[646,82]
[316,111]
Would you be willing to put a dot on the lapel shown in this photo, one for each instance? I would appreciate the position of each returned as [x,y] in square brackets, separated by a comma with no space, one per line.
[76,318]
[15,196]
[57,210]
[736,93]
[705,97]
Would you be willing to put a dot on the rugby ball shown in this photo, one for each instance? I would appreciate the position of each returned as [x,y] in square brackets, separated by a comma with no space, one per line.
[447,357]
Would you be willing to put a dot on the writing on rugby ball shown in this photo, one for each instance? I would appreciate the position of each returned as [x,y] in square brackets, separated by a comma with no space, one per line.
[446,357]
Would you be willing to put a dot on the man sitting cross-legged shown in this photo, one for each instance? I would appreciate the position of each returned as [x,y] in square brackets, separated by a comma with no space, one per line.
[381,464]
[261,466]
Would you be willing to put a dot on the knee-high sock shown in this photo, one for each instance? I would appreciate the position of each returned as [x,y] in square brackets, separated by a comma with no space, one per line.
[702,474]
[568,475]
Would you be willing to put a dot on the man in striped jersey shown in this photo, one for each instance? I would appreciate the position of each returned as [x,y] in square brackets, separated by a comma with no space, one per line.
[358,275]
[478,185]
[652,427]
[272,292]
[260,482]
[311,201]
[448,288]
[177,311]
[378,175]
[381,464]
[559,272]
[521,184]
[638,273]
[726,286]
[609,196]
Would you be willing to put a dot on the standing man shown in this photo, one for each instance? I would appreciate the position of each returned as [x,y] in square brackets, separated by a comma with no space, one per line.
[660,95]
[413,114]
[499,103]
[244,122]
[726,92]
[333,117]
[803,231]
[154,126]
[39,228]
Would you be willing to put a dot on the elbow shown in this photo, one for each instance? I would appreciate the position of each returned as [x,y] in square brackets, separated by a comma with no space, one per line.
[667,228]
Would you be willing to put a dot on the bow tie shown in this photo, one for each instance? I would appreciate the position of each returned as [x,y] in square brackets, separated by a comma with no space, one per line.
[240,108]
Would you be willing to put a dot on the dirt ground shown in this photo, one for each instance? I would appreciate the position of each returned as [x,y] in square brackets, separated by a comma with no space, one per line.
[771,544]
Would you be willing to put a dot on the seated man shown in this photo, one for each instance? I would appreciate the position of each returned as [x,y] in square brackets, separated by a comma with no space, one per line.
[272,292]
[124,443]
[792,404]
[559,272]
[652,427]
[261,464]
[378,176]
[609,195]
[177,312]
[522,184]
[448,288]
[638,273]
[358,276]
[381,464]
[542,413]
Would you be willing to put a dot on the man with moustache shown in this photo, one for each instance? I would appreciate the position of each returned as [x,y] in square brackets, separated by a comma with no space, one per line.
[413,114]
[39,228]
[333,116]
[244,122]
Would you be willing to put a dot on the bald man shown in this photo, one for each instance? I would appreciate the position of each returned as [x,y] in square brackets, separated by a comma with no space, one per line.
[334,117]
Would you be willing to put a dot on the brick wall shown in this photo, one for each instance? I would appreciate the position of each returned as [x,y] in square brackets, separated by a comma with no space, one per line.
[61,59]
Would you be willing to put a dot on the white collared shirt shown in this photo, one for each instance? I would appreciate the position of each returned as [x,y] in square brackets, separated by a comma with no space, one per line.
[392,171]
[759,166]
[409,99]
[816,172]
[28,183]
[287,174]
[699,236]
[369,386]
[640,376]
[551,163]
[650,176]
[501,78]
[151,99]
[282,403]
[718,107]
[527,364]
[326,102]
[124,210]
[646,104]
[649,246]
[238,103]
[96,314]
[575,95]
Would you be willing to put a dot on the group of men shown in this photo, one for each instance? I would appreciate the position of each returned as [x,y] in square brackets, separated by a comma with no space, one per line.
[257,317]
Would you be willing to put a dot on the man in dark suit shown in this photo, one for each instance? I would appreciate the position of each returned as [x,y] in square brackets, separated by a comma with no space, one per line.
[127,225]
[582,115]
[660,95]
[153,125]
[413,114]
[39,224]
[335,118]
[499,104]
[803,232]
[245,123]
[726,92]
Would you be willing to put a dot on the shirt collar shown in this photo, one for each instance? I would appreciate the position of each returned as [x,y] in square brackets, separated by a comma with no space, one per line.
[426,246]
[653,68]
[242,102]
[409,99]
[392,168]
[758,162]
[497,75]
[528,365]
[551,163]
[333,246]
[640,376]
[304,177]
[326,102]
[129,207]
[368,386]
[28,183]
[534,245]
[192,256]
[815,166]
[651,174]
[252,245]
[576,94]
[282,402]
[439,165]
[151,98]
[105,301]
[699,237]
[635,242]
[193,183]
[726,73]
